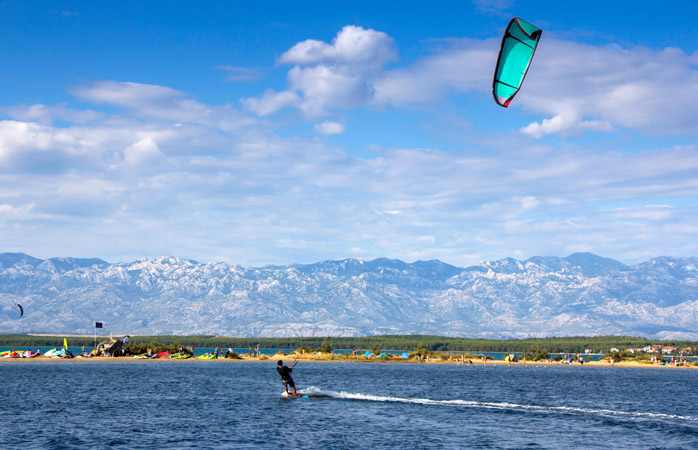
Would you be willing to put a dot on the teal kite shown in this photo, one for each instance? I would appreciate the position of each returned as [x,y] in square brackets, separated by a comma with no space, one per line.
[518,46]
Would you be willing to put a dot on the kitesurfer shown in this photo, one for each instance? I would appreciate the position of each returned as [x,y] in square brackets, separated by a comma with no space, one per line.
[285,372]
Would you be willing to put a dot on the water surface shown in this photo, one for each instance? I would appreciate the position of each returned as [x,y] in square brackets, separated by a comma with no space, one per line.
[231,404]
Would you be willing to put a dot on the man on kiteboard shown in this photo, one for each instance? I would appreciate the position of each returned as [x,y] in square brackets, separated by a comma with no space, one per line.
[286,379]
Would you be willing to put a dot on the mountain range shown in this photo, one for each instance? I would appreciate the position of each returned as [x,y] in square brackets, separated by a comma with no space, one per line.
[582,294]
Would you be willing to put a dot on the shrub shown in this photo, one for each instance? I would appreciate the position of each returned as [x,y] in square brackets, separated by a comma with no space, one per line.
[614,356]
[325,347]
[303,349]
[232,355]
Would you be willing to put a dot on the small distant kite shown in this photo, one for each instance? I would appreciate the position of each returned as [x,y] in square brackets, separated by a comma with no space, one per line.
[518,46]
[21,310]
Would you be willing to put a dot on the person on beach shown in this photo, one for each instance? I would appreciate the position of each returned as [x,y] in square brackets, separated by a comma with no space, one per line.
[286,379]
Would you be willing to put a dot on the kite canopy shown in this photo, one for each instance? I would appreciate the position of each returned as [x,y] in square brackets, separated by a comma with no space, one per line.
[21,310]
[518,46]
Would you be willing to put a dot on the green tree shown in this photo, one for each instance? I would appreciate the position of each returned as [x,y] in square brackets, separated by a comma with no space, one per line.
[303,349]
[536,353]
[325,347]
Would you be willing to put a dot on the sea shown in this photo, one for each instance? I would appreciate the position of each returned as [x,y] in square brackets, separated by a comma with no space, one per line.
[196,404]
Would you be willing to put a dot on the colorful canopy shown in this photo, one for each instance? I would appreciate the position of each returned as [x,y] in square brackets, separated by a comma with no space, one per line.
[518,46]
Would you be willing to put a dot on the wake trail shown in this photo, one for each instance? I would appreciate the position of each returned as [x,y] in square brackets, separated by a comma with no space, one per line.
[318,393]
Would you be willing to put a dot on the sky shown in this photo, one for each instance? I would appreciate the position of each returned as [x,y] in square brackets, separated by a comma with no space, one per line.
[259,133]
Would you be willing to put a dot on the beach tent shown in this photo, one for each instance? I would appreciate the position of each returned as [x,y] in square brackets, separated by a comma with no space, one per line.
[382,355]
[511,358]
[369,354]
[405,355]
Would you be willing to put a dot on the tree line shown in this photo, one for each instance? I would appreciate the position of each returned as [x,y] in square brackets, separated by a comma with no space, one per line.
[574,344]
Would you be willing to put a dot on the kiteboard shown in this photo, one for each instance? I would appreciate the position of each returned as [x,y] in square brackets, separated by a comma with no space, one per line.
[289,395]
[311,394]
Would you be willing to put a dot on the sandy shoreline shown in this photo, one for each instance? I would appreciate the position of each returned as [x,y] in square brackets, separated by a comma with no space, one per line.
[359,360]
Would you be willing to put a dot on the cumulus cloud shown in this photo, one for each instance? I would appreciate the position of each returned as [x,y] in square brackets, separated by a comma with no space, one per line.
[330,75]
[324,87]
[27,146]
[353,45]
[328,127]
[351,72]
[585,87]
[575,87]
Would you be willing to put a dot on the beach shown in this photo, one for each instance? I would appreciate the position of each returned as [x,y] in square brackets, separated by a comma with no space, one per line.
[328,358]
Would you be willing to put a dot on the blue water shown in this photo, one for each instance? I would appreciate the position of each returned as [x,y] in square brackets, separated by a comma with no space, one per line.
[237,405]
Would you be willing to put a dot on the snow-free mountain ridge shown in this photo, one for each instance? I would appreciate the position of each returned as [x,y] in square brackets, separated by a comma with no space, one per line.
[582,294]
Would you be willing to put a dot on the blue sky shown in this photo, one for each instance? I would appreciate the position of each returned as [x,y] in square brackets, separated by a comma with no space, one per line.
[276,133]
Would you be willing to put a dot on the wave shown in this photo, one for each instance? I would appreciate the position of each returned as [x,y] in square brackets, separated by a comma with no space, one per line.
[316,392]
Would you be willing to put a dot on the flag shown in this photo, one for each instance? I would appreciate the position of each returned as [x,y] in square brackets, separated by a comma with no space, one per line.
[98,324]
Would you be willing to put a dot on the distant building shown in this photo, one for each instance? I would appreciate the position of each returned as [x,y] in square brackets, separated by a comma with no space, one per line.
[686,350]
[636,350]
[588,351]
[668,350]
[615,350]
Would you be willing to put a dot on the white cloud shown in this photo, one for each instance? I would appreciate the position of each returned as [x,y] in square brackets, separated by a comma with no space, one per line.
[150,100]
[353,46]
[576,87]
[328,127]
[258,198]
[327,76]
[12,213]
[601,88]
[27,146]
[464,67]
[649,213]
[47,114]
[271,102]
[565,124]
[324,87]
[143,152]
